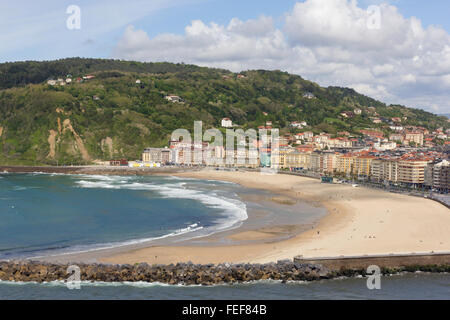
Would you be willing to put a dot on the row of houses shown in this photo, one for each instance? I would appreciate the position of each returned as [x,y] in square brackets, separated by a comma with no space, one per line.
[202,154]
[369,138]
[412,169]
[419,172]
[409,169]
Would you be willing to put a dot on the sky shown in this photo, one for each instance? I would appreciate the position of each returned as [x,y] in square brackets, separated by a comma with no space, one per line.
[398,51]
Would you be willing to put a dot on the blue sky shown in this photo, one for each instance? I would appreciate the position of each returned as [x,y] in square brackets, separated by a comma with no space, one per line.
[318,39]
[101,29]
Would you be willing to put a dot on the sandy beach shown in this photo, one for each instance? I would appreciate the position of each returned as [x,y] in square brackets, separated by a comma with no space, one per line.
[360,221]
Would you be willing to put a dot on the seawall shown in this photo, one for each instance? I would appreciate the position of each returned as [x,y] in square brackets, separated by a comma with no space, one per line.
[383,261]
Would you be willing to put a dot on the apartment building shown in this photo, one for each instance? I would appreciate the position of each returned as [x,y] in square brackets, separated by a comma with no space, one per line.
[390,170]
[362,165]
[384,170]
[345,163]
[338,143]
[315,162]
[246,158]
[279,158]
[329,162]
[156,155]
[437,175]
[416,137]
[298,160]
[412,171]
[188,153]
[377,170]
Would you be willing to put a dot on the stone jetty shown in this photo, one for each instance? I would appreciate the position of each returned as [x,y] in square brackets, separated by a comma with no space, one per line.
[188,273]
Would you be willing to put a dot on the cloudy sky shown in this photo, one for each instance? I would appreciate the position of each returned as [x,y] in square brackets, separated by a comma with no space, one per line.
[397,51]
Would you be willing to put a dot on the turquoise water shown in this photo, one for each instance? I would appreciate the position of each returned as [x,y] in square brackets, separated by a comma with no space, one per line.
[407,286]
[43,214]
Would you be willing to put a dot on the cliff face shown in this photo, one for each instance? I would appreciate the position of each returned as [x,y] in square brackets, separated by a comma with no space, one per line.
[121,108]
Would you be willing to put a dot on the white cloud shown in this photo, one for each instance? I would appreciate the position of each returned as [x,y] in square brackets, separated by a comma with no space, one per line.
[384,69]
[327,41]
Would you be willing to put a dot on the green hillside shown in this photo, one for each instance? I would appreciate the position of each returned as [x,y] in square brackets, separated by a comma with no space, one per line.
[112,116]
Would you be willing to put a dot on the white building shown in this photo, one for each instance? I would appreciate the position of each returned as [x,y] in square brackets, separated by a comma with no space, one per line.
[227,123]
[174,99]
[298,125]
[308,135]
[385,145]
[396,128]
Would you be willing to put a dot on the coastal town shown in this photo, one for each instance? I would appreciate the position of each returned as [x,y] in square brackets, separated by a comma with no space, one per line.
[390,153]
[394,154]
[407,158]
[225,159]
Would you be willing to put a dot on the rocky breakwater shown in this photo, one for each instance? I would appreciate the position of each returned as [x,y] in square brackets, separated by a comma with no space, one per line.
[182,273]
[191,274]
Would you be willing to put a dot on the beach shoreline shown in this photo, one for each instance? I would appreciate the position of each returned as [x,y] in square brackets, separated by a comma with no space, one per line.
[359,222]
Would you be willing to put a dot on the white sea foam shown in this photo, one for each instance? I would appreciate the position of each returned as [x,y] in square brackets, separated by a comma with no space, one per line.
[232,210]
[143,284]
[111,245]
[60,283]
[19,188]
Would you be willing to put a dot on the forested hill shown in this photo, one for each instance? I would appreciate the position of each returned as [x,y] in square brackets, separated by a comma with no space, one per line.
[15,74]
[123,109]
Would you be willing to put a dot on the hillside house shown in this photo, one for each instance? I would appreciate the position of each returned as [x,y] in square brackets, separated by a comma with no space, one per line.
[347,114]
[227,123]
[174,99]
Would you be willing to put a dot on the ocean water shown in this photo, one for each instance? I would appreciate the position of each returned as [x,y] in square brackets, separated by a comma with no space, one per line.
[407,286]
[44,214]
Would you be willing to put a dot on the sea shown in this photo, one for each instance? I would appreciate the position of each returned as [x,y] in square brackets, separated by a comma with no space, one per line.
[417,286]
[50,214]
